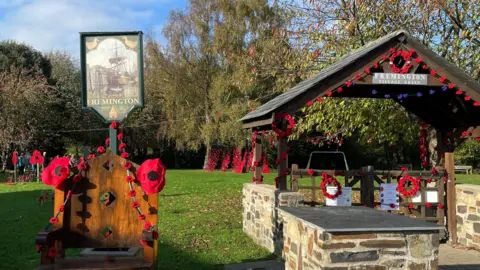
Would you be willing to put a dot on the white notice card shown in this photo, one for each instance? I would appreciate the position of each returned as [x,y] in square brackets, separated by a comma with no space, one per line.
[345,199]
[389,197]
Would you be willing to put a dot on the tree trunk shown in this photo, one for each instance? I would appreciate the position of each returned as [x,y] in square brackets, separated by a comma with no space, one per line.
[207,155]
[434,157]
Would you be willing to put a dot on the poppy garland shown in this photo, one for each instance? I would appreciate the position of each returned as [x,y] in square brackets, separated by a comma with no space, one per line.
[151,175]
[330,180]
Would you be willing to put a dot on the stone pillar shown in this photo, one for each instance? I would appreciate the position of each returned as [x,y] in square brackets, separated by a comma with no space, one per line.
[468,215]
[260,214]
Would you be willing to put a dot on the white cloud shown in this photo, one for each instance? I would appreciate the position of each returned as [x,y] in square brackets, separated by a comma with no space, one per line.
[55,24]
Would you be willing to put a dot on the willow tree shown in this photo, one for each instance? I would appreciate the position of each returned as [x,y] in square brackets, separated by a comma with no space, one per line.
[206,74]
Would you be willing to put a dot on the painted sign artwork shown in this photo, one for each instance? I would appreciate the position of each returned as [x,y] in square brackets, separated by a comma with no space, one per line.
[112,70]
[394,78]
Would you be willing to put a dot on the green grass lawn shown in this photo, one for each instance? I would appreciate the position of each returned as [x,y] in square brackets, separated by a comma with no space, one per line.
[200,221]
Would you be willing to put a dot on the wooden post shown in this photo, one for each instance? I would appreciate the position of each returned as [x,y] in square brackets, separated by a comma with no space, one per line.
[451,198]
[113,140]
[37,168]
[14,173]
[366,193]
[257,157]
[282,166]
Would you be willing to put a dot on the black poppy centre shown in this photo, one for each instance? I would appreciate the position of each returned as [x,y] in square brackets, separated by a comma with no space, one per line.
[153,176]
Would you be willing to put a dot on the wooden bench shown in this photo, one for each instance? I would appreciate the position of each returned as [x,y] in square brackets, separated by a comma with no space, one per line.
[464,168]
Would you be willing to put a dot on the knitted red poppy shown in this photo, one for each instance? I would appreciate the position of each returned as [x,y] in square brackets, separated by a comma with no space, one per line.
[56,172]
[151,175]
[37,158]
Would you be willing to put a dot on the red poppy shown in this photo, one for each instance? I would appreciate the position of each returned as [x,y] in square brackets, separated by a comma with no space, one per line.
[467,98]
[53,220]
[69,194]
[425,67]
[155,235]
[384,177]
[256,163]
[418,60]
[459,92]
[114,125]
[101,149]
[129,179]
[107,142]
[445,179]
[428,205]
[375,65]
[143,243]
[367,71]
[434,171]
[147,225]
[357,76]
[132,193]
[127,165]
[37,158]
[310,103]
[375,204]
[56,172]
[77,178]
[442,79]
[14,158]
[142,217]
[329,93]
[404,169]
[465,134]
[135,204]
[151,175]
[433,72]
[451,85]
[429,180]
[124,155]
[284,155]
[441,206]
[91,156]
[392,205]
[476,104]
[120,136]
[61,208]
[52,252]
[39,247]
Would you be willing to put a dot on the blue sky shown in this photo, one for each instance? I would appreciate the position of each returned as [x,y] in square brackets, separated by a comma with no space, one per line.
[55,24]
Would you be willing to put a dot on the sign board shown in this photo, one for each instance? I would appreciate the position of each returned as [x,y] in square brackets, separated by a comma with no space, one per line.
[389,196]
[344,199]
[395,78]
[112,73]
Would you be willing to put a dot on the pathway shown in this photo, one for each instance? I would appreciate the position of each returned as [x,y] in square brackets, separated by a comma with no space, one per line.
[449,259]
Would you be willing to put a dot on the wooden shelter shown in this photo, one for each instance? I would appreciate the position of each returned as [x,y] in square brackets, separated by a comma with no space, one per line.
[444,96]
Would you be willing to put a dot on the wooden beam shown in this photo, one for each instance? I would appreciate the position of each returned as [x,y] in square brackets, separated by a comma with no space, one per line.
[258,123]
[257,157]
[282,166]
[451,197]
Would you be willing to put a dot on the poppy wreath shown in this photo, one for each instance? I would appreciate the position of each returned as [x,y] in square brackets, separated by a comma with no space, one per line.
[37,158]
[289,119]
[151,175]
[415,186]
[405,55]
[326,180]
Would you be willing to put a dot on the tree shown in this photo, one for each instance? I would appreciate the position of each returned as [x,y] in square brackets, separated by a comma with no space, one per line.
[24,58]
[468,153]
[322,31]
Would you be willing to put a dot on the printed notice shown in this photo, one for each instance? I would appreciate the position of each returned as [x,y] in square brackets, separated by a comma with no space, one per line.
[389,197]
[345,199]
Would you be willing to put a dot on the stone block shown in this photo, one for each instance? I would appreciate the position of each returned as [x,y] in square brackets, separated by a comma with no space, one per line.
[318,255]
[392,252]
[353,236]
[416,266]
[473,217]
[462,241]
[390,235]
[335,268]
[419,245]
[369,267]
[294,248]
[468,236]
[383,243]
[462,209]
[397,263]
[365,256]
[459,220]
[476,227]
[476,239]
[337,245]
[434,264]
[292,231]
[435,240]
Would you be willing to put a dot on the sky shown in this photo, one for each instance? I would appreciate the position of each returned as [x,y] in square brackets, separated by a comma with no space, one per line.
[50,25]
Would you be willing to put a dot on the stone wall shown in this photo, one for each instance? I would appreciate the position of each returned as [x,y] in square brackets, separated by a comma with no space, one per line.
[309,247]
[259,213]
[468,215]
